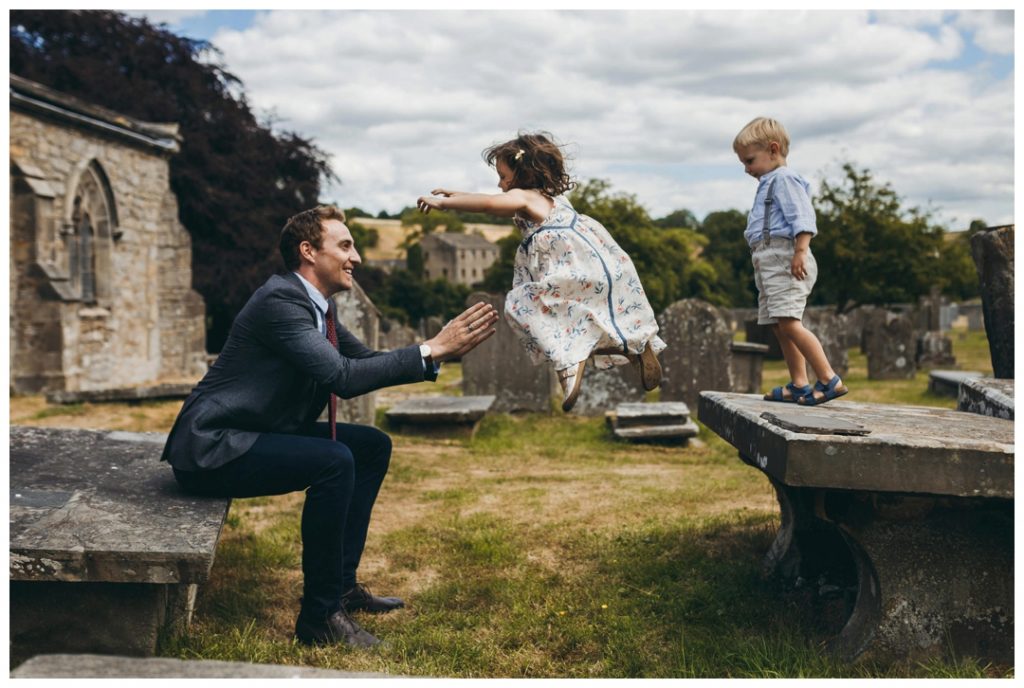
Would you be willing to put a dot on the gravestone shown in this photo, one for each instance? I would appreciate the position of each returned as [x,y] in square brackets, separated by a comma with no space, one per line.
[664,421]
[992,250]
[891,347]
[439,416]
[603,390]
[747,366]
[358,314]
[699,352]
[763,334]
[395,335]
[501,367]
[935,349]
[947,382]
[433,324]
[974,314]
[830,331]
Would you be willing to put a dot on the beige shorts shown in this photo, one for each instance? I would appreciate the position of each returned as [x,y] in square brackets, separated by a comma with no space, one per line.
[779,294]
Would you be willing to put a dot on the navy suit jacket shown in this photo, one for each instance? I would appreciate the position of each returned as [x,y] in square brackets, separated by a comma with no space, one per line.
[275,374]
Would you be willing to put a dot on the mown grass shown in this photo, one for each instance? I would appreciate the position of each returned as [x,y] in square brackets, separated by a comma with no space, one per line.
[542,547]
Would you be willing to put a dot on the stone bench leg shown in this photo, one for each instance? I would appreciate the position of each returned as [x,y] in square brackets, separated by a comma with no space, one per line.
[101,618]
[929,576]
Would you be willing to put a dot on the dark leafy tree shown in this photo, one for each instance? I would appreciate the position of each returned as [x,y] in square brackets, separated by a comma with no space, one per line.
[682,218]
[498,278]
[727,252]
[236,180]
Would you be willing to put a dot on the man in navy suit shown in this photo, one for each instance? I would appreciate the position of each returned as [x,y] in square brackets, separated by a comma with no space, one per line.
[249,428]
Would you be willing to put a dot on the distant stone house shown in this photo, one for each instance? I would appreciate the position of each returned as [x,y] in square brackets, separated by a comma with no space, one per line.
[100,267]
[459,258]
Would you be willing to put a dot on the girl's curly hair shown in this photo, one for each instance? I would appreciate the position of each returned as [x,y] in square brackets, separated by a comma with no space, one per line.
[536,162]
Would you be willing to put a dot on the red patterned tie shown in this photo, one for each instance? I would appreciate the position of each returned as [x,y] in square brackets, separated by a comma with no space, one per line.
[332,337]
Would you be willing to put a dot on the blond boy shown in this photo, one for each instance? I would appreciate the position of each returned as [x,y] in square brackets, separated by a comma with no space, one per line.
[779,230]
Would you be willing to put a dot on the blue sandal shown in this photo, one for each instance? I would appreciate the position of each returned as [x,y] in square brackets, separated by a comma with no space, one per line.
[795,393]
[834,388]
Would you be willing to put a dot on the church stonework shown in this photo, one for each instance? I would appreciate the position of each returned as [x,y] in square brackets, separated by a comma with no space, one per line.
[100,267]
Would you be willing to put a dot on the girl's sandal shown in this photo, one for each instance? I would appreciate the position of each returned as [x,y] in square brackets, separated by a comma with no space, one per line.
[795,393]
[571,379]
[835,388]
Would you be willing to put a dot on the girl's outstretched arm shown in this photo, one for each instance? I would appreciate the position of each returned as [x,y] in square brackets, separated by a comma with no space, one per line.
[531,203]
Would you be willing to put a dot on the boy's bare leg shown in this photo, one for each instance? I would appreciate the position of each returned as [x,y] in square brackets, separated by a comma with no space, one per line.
[794,359]
[808,347]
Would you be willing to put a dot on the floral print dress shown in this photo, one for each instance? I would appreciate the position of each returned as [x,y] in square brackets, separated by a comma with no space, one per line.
[575,292]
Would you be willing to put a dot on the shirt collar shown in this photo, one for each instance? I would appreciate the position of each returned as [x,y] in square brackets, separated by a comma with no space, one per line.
[314,294]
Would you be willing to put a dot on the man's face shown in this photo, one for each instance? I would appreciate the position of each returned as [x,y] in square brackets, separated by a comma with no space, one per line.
[334,261]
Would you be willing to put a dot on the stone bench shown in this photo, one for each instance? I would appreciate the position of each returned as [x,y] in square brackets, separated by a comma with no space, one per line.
[105,550]
[107,666]
[947,382]
[896,520]
[438,416]
[988,396]
[665,421]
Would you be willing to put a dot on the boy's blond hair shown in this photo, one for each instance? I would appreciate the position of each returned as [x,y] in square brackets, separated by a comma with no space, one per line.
[761,131]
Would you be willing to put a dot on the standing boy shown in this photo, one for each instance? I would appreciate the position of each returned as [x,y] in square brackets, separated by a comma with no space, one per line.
[779,230]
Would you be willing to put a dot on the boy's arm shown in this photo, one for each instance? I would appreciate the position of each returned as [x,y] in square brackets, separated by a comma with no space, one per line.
[801,244]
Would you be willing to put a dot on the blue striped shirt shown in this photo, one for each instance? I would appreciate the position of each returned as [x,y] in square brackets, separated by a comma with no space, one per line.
[792,212]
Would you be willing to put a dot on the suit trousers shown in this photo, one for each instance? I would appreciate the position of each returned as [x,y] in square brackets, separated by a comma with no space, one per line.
[341,479]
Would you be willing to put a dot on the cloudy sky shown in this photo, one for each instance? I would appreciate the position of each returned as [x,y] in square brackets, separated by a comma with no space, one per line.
[404,101]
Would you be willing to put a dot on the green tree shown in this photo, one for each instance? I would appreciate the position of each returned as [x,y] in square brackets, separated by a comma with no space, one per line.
[429,222]
[498,278]
[870,249]
[728,253]
[236,180]
[680,218]
[414,260]
[365,237]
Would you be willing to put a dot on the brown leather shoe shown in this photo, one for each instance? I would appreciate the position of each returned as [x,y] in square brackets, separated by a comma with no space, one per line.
[571,379]
[650,368]
[335,628]
[360,598]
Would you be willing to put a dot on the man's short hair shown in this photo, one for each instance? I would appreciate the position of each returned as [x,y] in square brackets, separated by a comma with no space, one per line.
[761,131]
[306,226]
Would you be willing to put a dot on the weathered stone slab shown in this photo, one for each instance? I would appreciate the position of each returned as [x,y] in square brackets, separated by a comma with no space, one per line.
[145,393]
[501,367]
[801,422]
[947,382]
[910,448]
[699,352]
[891,347]
[439,415]
[987,396]
[105,550]
[109,666]
[747,366]
[652,421]
[992,250]
[98,506]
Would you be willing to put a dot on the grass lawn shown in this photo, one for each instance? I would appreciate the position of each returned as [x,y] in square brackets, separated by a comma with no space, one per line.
[540,548]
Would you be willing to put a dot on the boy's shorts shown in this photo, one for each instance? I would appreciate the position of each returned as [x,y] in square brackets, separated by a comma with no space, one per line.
[779,294]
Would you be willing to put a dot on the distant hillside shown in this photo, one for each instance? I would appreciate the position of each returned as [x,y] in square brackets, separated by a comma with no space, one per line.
[392,233]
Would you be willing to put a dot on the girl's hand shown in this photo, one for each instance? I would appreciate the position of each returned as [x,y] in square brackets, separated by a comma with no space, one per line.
[425,203]
[443,192]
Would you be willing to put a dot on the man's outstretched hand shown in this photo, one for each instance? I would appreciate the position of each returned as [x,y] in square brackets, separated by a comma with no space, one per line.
[464,332]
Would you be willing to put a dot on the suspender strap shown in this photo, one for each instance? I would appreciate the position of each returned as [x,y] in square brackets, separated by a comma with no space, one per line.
[765,235]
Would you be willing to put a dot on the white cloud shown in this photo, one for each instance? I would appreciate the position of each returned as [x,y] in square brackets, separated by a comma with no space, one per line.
[405,101]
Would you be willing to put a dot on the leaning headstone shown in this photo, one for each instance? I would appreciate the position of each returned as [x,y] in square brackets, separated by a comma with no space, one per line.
[829,329]
[698,356]
[603,390]
[762,334]
[973,313]
[431,325]
[891,347]
[993,256]
[395,335]
[935,349]
[358,314]
[987,396]
[947,382]
[501,367]
[747,366]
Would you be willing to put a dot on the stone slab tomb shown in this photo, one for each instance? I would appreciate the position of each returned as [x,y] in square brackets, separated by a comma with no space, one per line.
[105,550]
[107,666]
[440,415]
[947,382]
[640,422]
[896,521]
[988,396]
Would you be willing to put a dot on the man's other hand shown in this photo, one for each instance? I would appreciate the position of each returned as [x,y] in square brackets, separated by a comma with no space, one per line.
[464,332]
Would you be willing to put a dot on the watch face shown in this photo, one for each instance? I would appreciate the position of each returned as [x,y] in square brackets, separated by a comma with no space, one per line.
[424,351]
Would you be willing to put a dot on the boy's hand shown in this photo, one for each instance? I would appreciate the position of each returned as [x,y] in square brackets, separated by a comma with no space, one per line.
[798,267]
